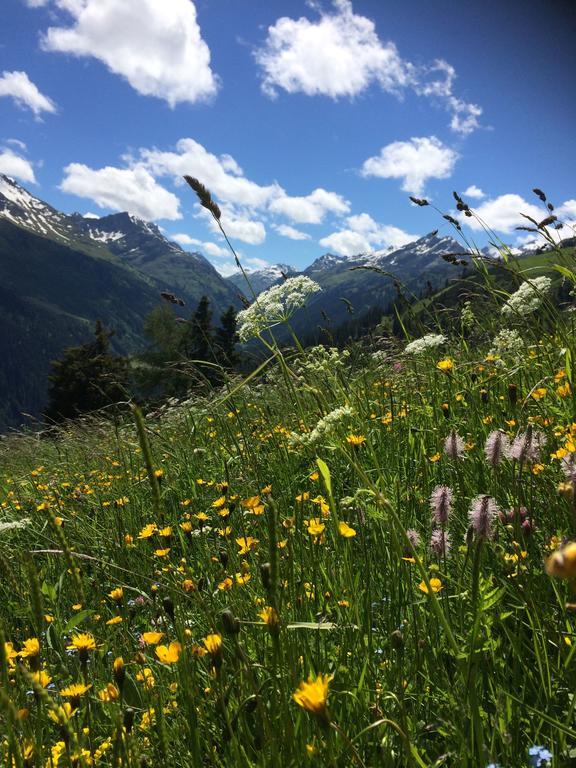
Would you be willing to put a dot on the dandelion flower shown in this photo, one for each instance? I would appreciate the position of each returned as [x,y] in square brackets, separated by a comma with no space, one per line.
[312,695]
[74,692]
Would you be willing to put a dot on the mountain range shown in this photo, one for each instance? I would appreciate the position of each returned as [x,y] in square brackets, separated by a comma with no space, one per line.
[60,272]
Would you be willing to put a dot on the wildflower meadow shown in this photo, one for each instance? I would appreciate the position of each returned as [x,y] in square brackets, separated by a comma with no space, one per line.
[347,557]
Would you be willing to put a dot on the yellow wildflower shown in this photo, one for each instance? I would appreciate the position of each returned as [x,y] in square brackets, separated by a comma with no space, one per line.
[312,695]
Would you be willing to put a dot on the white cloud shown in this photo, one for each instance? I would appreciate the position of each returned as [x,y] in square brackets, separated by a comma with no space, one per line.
[503,214]
[474,192]
[310,209]
[341,55]
[18,86]
[156,46]
[379,235]
[465,115]
[338,55]
[134,190]
[36,3]
[206,247]
[184,239]
[222,175]
[413,161]
[14,165]
[90,215]
[346,243]
[229,267]
[240,228]
[17,143]
[293,234]
[363,235]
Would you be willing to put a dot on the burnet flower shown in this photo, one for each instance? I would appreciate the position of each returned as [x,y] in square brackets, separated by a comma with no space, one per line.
[441,504]
[440,542]
[275,306]
[527,445]
[454,445]
[497,447]
[482,514]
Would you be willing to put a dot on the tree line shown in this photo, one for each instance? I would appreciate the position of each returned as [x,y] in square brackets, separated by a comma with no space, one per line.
[181,355]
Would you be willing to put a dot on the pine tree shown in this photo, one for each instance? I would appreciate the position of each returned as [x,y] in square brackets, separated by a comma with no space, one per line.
[86,378]
[157,373]
[198,342]
[227,338]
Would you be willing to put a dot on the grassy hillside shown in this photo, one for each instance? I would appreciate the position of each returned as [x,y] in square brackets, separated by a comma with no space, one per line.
[50,296]
[342,561]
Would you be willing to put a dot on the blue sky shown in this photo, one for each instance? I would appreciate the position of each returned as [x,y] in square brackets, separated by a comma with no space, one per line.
[311,122]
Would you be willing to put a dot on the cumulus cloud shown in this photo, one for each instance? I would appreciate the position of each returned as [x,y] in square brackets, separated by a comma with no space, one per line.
[290,232]
[16,166]
[503,214]
[414,161]
[222,175]
[240,228]
[156,46]
[338,55]
[363,234]
[346,243]
[19,87]
[240,198]
[228,267]
[206,247]
[341,55]
[474,192]
[310,209]
[131,189]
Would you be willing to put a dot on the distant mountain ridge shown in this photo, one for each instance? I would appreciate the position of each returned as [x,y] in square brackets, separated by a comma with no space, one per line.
[59,273]
[261,279]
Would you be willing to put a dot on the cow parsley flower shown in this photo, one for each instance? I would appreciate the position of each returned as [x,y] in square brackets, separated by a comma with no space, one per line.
[275,306]
[527,298]
[431,341]
[508,343]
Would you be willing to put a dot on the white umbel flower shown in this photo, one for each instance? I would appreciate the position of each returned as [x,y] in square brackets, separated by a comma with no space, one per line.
[419,346]
[274,306]
[527,298]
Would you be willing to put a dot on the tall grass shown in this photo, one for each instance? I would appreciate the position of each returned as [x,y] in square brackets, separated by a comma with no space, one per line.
[248,580]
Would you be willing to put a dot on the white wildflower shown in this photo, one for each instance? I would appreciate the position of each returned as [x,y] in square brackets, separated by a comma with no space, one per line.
[431,341]
[527,298]
[274,306]
[324,428]
[322,360]
[380,357]
[508,343]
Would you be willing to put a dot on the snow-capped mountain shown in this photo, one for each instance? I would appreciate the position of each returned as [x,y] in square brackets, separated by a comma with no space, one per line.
[136,243]
[261,279]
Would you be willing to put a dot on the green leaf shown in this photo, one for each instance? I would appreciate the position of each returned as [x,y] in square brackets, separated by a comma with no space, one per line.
[78,619]
[325,472]
[49,591]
